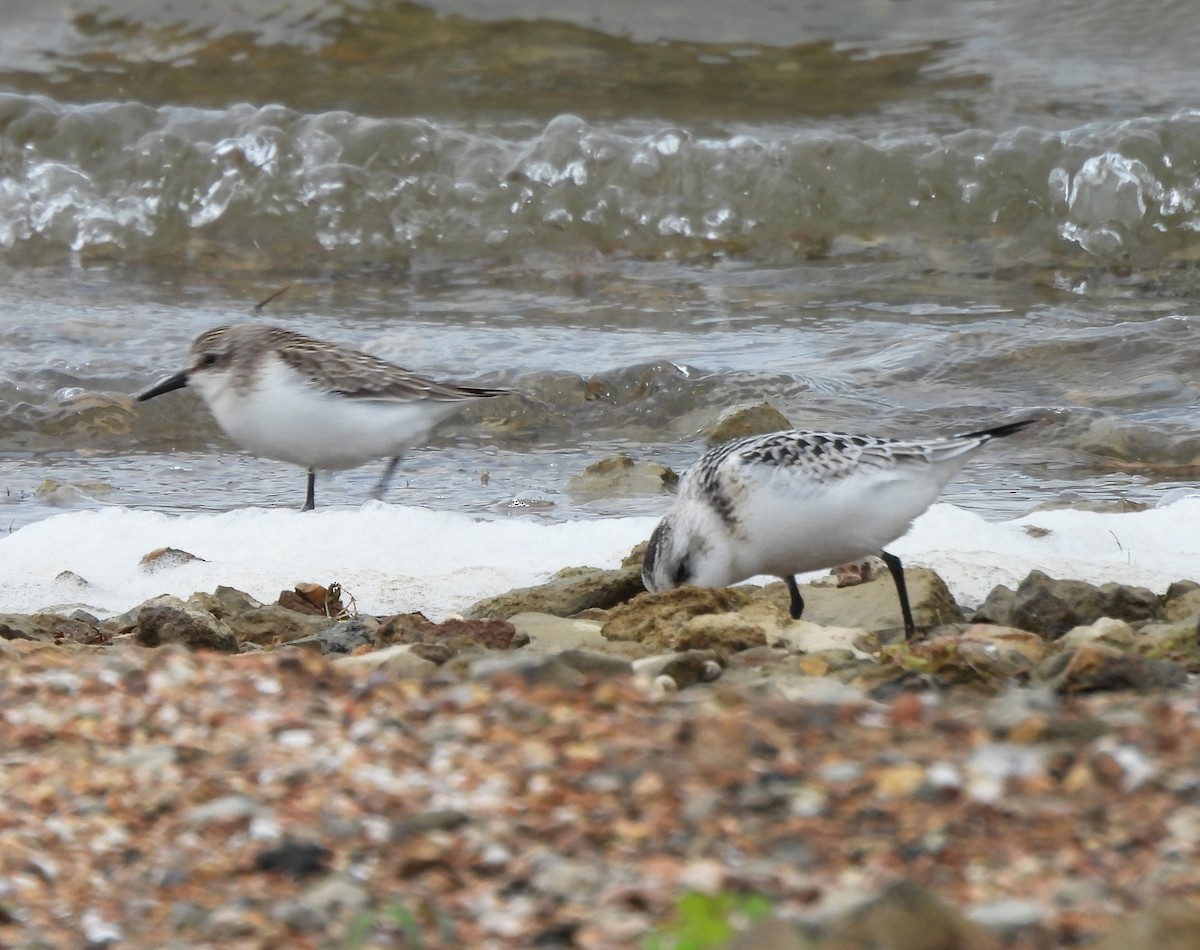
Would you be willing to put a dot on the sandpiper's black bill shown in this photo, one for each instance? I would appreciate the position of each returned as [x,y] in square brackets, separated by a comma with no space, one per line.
[170,384]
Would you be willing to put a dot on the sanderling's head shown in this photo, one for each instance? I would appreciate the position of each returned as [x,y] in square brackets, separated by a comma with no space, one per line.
[216,358]
[209,355]
[682,551]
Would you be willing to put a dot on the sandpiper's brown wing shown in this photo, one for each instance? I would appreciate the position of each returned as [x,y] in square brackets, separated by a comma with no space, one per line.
[354,374]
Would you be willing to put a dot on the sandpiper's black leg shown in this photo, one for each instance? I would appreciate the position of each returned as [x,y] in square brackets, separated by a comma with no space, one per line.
[388,471]
[897,570]
[310,498]
[797,607]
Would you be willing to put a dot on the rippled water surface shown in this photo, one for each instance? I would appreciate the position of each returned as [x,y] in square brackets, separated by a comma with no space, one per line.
[896,218]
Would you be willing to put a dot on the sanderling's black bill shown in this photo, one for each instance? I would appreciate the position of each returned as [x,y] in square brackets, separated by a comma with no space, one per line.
[170,384]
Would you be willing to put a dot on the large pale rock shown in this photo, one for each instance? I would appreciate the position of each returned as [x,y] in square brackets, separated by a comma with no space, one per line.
[570,592]
[874,605]
[694,618]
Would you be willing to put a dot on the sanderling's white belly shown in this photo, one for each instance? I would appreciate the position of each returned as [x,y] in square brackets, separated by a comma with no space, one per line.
[782,531]
[286,419]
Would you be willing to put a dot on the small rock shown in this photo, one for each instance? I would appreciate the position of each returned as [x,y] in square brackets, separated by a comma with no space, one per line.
[1105,630]
[1182,602]
[293,858]
[997,607]
[421,823]
[162,558]
[23,627]
[620,475]
[532,668]
[808,637]
[341,638]
[400,660]
[745,419]
[1051,607]
[1095,667]
[272,625]
[595,664]
[548,632]
[900,781]
[226,808]
[190,628]
[224,602]
[1016,706]
[315,599]
[685,669]
[334,898]
[454,634]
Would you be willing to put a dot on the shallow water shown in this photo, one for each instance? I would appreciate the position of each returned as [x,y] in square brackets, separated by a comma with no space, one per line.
[898,218]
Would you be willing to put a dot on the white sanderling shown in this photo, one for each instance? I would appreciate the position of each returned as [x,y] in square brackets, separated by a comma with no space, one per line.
[789,502]
[287,396]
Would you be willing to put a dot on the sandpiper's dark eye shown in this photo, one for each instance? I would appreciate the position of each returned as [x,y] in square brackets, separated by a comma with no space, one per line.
[208,359]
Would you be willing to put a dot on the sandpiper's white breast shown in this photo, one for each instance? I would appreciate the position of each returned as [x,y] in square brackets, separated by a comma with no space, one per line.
[789,522]
[280,414]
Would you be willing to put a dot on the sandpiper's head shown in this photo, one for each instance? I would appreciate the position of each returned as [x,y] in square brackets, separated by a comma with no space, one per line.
[212,356]
[682,551]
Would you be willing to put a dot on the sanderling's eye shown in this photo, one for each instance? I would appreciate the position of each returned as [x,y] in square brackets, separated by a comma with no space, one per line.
[207,360]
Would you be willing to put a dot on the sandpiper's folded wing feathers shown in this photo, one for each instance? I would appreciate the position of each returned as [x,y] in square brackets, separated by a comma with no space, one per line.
[358,375]
[829,455]
[833,455]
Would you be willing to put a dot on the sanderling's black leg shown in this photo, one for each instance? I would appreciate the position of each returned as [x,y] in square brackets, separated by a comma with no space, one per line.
[897,570]
[310,498]
[797,607]
[388,471]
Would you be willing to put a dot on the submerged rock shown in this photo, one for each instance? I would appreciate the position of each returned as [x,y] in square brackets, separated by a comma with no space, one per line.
[620,475]
[735,422]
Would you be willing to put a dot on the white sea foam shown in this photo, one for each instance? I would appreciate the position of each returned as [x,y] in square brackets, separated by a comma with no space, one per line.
[393,558]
